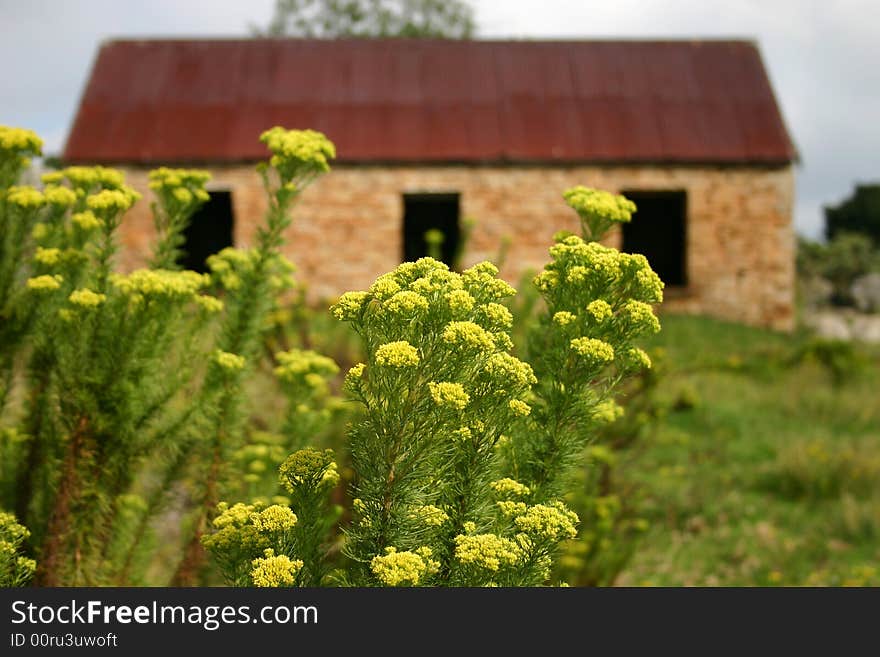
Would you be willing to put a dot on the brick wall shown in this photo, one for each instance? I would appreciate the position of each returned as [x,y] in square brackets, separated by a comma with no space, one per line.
[348,226]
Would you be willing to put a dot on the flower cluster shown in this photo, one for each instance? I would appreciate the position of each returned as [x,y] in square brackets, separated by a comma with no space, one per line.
[230,266]
[451,395]
[551,522]
[15,569]
[397,354]
[17,146]
[309,468]
[507,488]
[298,153]
[86,298]
[488,551]
[407,568]
[598,209]
[275,571]
[304,370]
[180,187]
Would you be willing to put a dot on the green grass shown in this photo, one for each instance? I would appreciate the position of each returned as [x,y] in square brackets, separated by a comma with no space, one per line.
[769,473]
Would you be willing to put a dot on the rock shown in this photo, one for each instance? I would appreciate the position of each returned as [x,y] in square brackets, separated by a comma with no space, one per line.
[866,292]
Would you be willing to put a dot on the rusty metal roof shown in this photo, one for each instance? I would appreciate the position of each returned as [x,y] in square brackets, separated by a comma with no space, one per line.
[395,100]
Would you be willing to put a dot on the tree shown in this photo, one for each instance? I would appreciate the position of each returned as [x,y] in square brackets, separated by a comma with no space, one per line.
[858,214]
[444,19]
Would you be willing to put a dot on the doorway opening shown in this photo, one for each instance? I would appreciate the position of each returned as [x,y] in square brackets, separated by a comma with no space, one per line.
[431,212]
[209,231]
[658,231]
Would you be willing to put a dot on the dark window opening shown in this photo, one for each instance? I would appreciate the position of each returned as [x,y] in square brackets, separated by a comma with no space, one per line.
[209,231]
[658,231]
[424,212]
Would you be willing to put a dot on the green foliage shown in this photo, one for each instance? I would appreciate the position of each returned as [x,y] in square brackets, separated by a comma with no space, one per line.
[858,214]
[15,568]
[131,383]
[456,480]
[771,479]
[845,258]
[444,19]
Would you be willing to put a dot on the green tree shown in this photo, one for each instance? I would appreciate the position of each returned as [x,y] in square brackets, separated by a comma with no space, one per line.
[443,19]
[858,214]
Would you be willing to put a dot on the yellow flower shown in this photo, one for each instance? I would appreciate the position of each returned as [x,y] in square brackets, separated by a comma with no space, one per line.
[208,303]
[26,198]
[298,152]
[448,394]
[508,370]
[47,257]
[519,407]
[229,362]
[20,141]
[497,315]
[85,298]
[638,317]
[403,568]
[550,521]
[596,352]
[593,202]
[487,551]
[309,468]
[506,488]
[429,514]
[61,197]
[110,202]
[349,306]
[563,318]
[46,282]
[468,335]
[85,221]
[397,354]
[459,302]
[275,518]
[275,571]
[406,303]
[599,310]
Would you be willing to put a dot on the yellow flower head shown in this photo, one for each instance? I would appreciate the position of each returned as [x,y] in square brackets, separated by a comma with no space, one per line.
[60,197]
[596,352]
[469,336]
[589,202]
[298,153]
[229,362]
[274,571]
[309,468]
[85,221]
[508,488]
[85,298]
[275,518]
[397,354]
[25,198]
[549,521]
[449,395]
[488,551]
[599,310]
[403,568]
[349,306]
[519,407]
[406,303]
[44,283]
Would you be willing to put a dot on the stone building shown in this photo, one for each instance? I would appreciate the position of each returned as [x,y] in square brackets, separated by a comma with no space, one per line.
[430,133]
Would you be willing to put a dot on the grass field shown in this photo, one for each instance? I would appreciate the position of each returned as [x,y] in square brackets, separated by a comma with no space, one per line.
[765,470]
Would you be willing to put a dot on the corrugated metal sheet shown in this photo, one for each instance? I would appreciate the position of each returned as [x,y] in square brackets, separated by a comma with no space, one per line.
[432,101]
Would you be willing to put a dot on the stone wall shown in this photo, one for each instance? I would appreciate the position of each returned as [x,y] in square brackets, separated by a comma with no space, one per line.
[348,225]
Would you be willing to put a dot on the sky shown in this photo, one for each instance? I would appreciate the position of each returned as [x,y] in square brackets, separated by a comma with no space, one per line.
[822,58]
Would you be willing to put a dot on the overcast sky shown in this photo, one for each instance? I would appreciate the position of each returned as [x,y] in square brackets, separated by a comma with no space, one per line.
[823,59]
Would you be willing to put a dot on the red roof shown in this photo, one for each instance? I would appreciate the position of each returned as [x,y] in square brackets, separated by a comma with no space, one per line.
[396,100]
